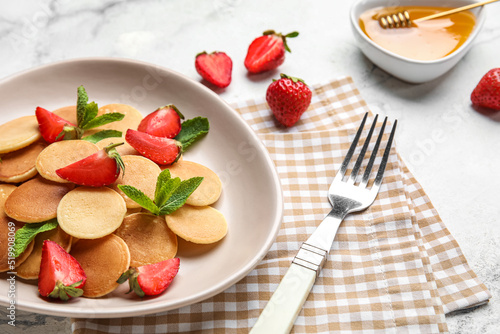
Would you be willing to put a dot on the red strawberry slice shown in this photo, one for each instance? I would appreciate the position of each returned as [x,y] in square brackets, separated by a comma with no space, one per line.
[161,150]
[61,276]
[151,279]
[163,122]
[288,98]
[267,52]
[54,128]
[487,92]
[97,170]
[215,67]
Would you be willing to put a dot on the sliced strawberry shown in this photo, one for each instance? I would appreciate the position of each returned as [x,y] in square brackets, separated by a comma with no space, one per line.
[267,52]
[54,128]
[215,67]
[161,150]
[61,276]
[97,170]
[163,122]
[151,279]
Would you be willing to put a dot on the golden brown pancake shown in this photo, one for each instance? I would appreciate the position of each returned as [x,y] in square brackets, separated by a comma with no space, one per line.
[18,133]
[148,238]
[19,166]
[68,113]
[210,188]
[36,200]
[61,154]
[124,149]
[198,224]
[140,173]
[5,191]
[91,213]
[5,229]
[30,268]
[104,260]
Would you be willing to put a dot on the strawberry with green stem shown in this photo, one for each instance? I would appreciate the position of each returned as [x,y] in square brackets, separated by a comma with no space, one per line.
[288,98]
[151,279]
[54,128]
[97,170]
[61,276]
[267,52]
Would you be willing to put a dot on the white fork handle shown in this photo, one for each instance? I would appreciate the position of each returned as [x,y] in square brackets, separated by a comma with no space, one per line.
[286,302]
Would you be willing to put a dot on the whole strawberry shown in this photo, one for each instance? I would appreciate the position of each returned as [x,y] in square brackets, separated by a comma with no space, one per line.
[267,52]
[288,98]
[215,67]
[487,92]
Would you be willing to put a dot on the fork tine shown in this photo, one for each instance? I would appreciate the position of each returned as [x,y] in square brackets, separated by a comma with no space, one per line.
[361,156]
[381,169]
[368,170]
[349,154]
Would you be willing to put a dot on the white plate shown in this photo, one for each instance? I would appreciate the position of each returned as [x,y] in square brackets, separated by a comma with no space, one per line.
[251,199]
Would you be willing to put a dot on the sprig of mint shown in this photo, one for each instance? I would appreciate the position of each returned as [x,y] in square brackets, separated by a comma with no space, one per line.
[28,232]
[170,194]
[192,130]
[86,116]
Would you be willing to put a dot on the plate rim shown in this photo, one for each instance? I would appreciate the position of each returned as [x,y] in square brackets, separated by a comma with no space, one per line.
[149,309]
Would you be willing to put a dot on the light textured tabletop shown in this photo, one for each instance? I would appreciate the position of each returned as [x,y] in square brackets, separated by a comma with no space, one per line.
[453,151]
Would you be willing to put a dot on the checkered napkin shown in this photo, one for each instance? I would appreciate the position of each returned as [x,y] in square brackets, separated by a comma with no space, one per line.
[393,267]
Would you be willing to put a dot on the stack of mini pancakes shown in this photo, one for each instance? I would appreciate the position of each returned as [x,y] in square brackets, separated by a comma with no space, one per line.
[101,227]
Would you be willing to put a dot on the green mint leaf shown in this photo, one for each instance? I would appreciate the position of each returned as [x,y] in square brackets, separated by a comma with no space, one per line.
[103,119]
[81,105]
[140,198]
[180,195]
[28,232]
[98,136]
[167,191]
[91,110]
[192,130]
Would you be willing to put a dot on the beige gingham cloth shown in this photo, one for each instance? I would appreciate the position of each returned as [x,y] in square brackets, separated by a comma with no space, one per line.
[393,268]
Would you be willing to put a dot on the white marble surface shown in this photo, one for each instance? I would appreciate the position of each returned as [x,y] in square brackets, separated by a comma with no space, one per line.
[453,150]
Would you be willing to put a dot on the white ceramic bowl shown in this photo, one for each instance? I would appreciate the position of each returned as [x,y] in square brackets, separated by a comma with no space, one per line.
[410,70]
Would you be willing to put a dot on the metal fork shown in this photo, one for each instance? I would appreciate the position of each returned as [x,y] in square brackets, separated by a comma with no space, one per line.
[346,197]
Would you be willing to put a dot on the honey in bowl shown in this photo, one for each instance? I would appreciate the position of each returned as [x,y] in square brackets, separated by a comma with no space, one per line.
[428,40]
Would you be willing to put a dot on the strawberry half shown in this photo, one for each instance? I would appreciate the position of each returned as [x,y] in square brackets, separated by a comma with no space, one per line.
[267,52]
[487,92]
[61,276]
[161,150]
[97,170]
[163,122]
[151,279]
[54,128]
[215,67]
[288,98]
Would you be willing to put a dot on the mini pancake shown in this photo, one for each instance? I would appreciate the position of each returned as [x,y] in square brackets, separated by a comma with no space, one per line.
[18,133]
[36,200]
[104,260]
[140,173]
[19,166]
[210,188]
[124,149]
[148,238]
[5,229]
[68,113]
[131,120]
[198,224]
[91,213]
[5,191]
[61,154]
[30,268]
[131,211]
